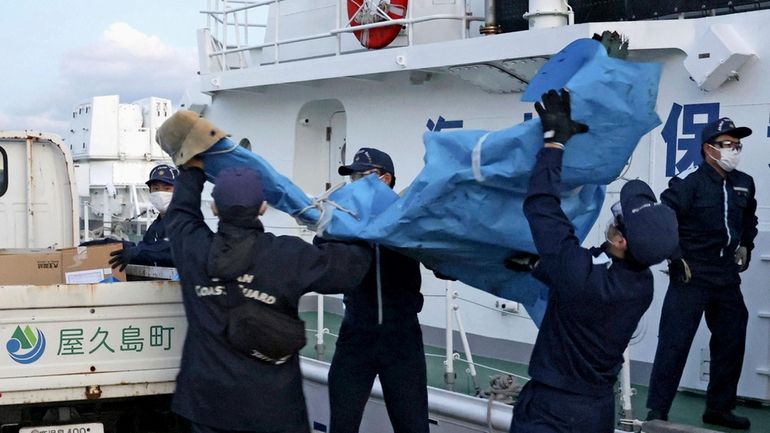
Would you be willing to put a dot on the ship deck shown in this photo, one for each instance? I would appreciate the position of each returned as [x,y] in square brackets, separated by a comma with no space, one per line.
[687,408]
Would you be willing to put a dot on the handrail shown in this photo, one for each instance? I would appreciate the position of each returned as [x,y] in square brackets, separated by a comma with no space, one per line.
[234,26]
[351,29]
[406,21]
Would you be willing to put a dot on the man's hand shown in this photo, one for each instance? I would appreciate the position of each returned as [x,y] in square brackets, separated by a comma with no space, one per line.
[556,118]
[615,43]
[122,257]
[742,258]
[521,262]
[679,271]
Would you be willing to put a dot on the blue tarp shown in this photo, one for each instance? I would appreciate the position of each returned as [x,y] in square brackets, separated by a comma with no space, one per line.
[463,215]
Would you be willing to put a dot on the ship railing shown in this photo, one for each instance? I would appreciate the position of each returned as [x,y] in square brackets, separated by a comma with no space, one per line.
[230,29]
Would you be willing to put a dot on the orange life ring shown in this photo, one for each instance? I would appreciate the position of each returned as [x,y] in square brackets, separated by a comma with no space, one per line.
[363,12]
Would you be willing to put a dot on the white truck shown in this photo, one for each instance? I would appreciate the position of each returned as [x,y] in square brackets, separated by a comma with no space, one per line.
[78,358]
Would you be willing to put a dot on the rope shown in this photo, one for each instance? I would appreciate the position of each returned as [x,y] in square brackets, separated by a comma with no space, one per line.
[497,310]
[458,358]
[501,388]
[318,204]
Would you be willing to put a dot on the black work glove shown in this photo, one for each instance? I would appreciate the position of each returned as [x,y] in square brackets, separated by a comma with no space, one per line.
[679,271]
[122,257]
[615,43]
[521,262]
[555,116]
[742,258]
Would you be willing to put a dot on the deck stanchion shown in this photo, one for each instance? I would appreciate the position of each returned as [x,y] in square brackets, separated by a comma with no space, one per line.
[449,372]
[466,346]
[320,347]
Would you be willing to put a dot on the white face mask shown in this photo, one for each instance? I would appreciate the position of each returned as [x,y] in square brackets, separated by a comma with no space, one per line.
[728,158]
[160,200]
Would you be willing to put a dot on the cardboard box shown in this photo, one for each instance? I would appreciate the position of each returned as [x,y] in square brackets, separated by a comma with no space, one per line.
[30,266]
[40,267]
[86,265]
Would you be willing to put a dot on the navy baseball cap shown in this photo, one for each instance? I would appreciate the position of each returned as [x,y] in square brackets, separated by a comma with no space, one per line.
[368,158]
[163,173]
[650,227]
[723,126]
[238,186]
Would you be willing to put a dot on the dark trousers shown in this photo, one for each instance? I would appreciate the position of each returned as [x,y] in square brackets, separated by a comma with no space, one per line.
[545,409]
[726,317]
[396,354]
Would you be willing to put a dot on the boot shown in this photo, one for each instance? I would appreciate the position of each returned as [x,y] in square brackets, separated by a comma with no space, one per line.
[726,419]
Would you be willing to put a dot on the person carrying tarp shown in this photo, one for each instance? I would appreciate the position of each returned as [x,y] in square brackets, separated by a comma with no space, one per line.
[597,295]
[380,333]
[241,287]
[154,249]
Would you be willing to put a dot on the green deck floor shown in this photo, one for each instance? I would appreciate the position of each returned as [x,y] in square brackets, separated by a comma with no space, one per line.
[687,408]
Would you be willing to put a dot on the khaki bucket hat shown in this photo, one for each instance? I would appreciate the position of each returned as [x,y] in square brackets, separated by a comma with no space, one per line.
[186,134]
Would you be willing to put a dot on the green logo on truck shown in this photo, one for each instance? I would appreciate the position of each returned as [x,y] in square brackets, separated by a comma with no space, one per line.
[26,345]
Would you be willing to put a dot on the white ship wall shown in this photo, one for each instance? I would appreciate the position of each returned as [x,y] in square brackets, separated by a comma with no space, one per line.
[390,110]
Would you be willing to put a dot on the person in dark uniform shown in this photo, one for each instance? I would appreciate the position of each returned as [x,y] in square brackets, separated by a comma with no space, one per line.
[221,388]
[716,209]
[154,249]
[596,296]
[380,333]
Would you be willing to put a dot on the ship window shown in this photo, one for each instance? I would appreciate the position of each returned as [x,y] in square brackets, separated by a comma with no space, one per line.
[3,172]
[245,143]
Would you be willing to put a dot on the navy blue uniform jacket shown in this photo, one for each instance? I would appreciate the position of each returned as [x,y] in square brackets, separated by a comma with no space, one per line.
[716,215]
[218,386]
[389,293]
[154,249]
[393,300]
[595,302]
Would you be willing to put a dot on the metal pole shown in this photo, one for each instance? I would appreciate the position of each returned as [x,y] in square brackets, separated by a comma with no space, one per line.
[449,372]
[320,348]
[625,388]
[106,216]
[466,347]
[86,225]
[338,21]
[277,24]
[224,34]
[490,26]
[410,26]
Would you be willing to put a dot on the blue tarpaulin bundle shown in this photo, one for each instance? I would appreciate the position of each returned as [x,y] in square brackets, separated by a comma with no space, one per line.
[462,215]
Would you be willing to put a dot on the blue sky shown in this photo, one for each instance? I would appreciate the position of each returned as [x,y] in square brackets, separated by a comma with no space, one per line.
[59,53]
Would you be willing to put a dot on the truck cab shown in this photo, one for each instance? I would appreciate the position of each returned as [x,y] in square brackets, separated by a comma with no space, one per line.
[38,198]
[75,357]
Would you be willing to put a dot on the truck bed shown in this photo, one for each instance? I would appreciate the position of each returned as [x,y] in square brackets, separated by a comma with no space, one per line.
[89,341]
